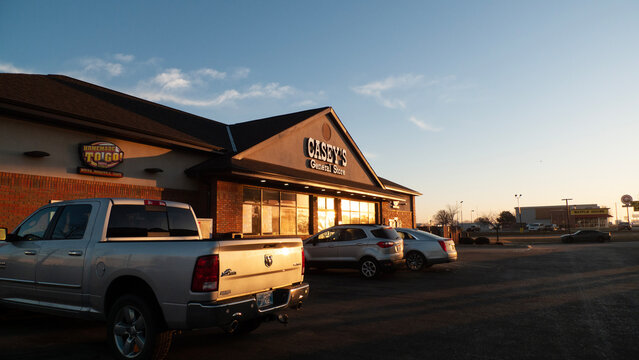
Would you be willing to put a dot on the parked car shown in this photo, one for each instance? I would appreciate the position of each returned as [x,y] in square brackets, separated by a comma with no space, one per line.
[369,248]
[144,268]
[624,226]
[551,227]
[534,227]
[473,228]
[586,235]
[423,249]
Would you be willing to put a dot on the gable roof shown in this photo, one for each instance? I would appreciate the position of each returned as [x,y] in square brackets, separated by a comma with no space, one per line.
[59,99]
[250,133]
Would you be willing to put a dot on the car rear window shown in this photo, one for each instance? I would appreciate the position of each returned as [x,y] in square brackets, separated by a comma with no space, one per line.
[385,233]
[144,221]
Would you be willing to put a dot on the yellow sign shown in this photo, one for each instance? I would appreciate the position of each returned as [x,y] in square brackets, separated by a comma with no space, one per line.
[636,205]
[602,211]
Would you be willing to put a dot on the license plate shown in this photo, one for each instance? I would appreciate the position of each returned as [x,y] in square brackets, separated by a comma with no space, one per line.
[264,299]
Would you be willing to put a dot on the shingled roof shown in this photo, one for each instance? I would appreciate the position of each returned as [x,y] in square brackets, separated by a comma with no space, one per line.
[251,133]
[60,99]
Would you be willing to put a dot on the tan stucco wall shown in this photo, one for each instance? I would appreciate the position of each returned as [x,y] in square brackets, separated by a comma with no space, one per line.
[289,149]
[19,136]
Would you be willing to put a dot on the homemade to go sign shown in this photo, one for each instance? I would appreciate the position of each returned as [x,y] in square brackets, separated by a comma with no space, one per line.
[635,204]
[99,157]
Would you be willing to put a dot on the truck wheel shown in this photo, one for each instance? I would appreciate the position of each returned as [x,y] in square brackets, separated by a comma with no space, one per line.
[369,268]
[135,330]
[415,261]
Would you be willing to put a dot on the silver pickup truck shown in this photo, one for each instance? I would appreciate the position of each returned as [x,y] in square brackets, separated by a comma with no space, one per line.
[143,266]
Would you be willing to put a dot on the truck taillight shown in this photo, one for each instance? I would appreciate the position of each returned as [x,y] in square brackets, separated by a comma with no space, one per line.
[303,262]
[154,203]
[442,243]
[386,244]
[206,274]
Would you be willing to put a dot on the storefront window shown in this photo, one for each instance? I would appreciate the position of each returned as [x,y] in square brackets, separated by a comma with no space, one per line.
[325,212]
[271,212]
[357,212]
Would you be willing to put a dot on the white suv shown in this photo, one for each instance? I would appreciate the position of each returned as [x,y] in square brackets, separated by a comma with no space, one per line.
[369,248]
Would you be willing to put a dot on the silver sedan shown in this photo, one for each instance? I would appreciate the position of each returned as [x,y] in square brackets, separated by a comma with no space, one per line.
[423,249]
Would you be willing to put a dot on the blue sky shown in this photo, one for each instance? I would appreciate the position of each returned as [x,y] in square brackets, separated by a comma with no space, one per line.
[471,101]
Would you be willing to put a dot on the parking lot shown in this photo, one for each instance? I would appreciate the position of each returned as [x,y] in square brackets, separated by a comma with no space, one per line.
[557,301]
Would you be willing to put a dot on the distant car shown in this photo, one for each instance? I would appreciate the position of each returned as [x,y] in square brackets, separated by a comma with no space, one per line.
[624,226]
[369,248]
[586,235]
[422,249]
[551,227]
[473,228]
[534,227]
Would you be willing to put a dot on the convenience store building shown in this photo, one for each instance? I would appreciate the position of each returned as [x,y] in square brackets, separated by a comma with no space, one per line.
[287,175]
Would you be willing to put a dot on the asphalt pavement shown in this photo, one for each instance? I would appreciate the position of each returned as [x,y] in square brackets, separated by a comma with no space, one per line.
[549,301]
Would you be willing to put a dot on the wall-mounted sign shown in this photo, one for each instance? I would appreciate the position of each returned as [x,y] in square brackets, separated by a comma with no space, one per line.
[603,211]
[99,157]
[333,156]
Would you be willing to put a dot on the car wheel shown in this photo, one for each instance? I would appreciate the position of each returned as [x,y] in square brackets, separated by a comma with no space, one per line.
[135,330]
[415,261]
[369,268]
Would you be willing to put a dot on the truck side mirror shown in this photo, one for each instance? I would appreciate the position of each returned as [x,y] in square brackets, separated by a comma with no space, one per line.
[6,236]
[3,234]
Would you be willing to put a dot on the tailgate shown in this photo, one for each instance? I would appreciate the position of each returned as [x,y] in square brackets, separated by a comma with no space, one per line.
[252,266]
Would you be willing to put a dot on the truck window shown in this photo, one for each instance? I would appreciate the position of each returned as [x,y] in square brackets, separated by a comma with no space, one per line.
[141,221]
[135,221]
[182,222]
[35,227]
[72,222]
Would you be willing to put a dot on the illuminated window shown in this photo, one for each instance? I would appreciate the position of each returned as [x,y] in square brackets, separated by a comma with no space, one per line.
[271,212]
[325,212]
[357,212]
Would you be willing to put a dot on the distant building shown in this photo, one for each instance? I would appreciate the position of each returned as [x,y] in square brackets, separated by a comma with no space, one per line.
[579,216]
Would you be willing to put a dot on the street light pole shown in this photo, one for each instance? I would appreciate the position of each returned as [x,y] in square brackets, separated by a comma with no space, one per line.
[471,215]
[521,226]
[461,210]
[567,214]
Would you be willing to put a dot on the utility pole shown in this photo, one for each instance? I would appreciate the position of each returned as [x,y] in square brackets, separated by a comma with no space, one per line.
[521,226]
[567,214]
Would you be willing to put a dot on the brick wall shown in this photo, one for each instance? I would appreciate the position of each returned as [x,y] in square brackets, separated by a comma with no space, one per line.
[229,208]
[406,217]
[21,194]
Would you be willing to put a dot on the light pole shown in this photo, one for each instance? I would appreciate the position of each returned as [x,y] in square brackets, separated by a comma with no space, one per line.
[461,210]
[521,226]
[567,214]
[471,215]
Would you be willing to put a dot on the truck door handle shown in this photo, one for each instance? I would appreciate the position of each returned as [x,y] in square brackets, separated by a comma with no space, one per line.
[75,253]
[29,252]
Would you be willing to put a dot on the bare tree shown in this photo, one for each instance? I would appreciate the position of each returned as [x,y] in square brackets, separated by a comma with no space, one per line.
[446,216]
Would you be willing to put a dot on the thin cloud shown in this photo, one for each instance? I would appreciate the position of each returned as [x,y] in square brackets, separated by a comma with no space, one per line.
[212,73]
[380,89]
[241,73]
[422,125]
[172,79]
[124,58]
[271,90]
[10,68]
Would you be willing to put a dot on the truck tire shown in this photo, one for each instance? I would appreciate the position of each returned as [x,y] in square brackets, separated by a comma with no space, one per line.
[135,330]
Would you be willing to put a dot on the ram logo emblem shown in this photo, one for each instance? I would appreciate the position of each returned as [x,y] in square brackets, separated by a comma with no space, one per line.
[268,260]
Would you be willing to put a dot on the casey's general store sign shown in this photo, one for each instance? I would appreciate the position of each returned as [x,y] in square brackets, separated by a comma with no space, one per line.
[332,157]
[100,156]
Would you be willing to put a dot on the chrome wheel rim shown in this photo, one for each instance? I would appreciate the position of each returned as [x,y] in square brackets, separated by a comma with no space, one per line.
[129,332]
[369,269]
[414,261]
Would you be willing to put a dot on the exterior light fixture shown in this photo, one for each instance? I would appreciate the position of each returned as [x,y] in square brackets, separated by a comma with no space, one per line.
[339,192]
[262,181]
[305,187]
[36,154]
[285,184]
[323,189]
